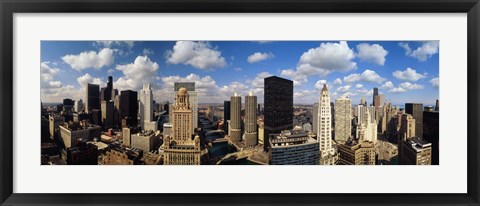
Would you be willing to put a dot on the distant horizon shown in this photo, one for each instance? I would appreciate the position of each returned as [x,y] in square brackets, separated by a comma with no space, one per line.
[402,70]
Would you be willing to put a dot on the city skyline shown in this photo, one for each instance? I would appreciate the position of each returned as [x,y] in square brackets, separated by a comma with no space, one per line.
[405,71]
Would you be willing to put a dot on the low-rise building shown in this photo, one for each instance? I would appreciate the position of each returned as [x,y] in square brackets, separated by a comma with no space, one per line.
[72,133]
[416,151]
[146,141]
[122,157]
[356,153]
[82,154]
[294,147]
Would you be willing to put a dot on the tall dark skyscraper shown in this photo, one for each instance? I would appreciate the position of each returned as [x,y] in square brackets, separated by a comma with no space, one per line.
[226,115]
[437,106]
[128,108]
[92,97]
[109,89]
[431,132]
[375,93]
[278,107]
[416,110]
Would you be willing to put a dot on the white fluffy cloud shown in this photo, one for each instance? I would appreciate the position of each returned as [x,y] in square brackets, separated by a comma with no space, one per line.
[53,90]
[141,71]
[402,87]
[90,59]
[410,86]
[258,82]
[423,52]
[408,74]
[47,73]
[295,75]
[387,86]
[435,82]
[87,78]
[337,81]
[358,86]
[373,53]
[328,57]
[397,90]
[366,76]
[321,61]
[207,89]
[200,55]
[258,56]
[305,94]
[344,88]
[319,84]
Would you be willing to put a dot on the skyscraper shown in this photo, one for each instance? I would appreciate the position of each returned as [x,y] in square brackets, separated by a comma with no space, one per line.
[431,133]
[145,106]
[324,134]
[407,127]
[343,119]
[251,136]
[378,101]
[109,89]
[92,97]
[363,101]
[78,107]
[315,118]
[416,110]
[235,118]
[128,108]
[190,86]
[179,147]
[437,105]
[375,93]
[278,107]
[108,110]
[226,115]
[367,128]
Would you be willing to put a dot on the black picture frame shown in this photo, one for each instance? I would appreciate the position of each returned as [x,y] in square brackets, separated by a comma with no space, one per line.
[10,7]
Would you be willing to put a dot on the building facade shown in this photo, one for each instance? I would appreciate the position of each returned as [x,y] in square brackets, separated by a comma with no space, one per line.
[324,134]
[356,153]
[431,129]
[415,151]
[343,119]
[190,86]
[92,97]
[278,107]
[180,148]
[128,108]
[293,147]
[416,110]
[251,136]
[145,105]
[315,118]
[146,141]
[235,118]
[226,116]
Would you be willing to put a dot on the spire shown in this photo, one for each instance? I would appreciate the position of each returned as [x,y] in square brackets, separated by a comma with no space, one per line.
[324,88]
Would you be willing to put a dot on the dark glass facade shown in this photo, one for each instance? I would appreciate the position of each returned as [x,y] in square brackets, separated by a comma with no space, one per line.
[431,132]
[93,97]
[226,115]
[278,106]
[129,107]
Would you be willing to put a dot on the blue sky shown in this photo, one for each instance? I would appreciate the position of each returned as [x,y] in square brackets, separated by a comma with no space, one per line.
[403,71]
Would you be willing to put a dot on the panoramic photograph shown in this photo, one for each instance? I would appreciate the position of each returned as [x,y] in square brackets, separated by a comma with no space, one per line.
[239,102]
